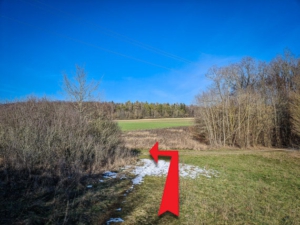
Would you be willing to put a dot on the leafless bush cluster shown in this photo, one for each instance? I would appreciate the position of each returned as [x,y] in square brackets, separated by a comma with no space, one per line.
[53,136]
[64,138]
[252,103]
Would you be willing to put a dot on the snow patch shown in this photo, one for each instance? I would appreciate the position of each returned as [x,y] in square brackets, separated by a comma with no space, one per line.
[114,220]
[109,174]
[150,168]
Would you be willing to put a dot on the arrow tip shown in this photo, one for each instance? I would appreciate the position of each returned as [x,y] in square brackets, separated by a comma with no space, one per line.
[154,152]
[174,212]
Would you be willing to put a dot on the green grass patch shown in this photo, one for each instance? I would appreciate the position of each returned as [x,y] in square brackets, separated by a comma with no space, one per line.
[252,188]
[145,124]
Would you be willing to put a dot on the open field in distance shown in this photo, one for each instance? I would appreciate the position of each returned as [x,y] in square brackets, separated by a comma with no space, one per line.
[168,138]
[145,124]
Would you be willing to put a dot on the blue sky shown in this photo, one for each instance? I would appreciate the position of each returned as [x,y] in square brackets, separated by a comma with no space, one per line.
[155,51]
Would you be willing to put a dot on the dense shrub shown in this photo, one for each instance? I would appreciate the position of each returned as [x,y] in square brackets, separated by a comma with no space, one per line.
[38,134]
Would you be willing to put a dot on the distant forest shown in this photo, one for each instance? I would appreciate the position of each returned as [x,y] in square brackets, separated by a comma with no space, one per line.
[144,110]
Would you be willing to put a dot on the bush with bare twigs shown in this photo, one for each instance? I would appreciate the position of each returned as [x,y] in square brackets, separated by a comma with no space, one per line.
[248,104]
[62,138]
[43,135]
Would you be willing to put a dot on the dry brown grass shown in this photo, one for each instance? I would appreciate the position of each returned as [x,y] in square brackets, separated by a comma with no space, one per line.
[169,138]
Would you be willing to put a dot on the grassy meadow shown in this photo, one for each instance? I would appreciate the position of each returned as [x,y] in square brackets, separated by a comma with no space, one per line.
[146,124]
[253,187]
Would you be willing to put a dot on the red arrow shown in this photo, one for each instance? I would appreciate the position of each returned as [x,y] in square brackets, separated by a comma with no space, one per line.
[170,198]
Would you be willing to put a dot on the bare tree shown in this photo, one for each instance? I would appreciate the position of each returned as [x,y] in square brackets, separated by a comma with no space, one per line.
[80,90]
[247,104]
[294,107]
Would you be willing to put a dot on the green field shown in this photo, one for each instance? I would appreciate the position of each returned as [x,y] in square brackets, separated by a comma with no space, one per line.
[252,188]
[145,124]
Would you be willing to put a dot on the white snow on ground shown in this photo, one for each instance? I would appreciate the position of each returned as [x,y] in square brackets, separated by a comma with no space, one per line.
[109,174]
[114,220]
[150,168]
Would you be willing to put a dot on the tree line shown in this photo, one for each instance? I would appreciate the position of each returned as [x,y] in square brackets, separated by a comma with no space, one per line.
[252,103]
[143,110]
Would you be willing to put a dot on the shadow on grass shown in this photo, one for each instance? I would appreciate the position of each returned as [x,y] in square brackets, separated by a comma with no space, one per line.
[135,152]
[42,199]
[141,206]
[165,158]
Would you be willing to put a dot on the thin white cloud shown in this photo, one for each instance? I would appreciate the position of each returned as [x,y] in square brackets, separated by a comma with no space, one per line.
[182,85]
[178,86]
